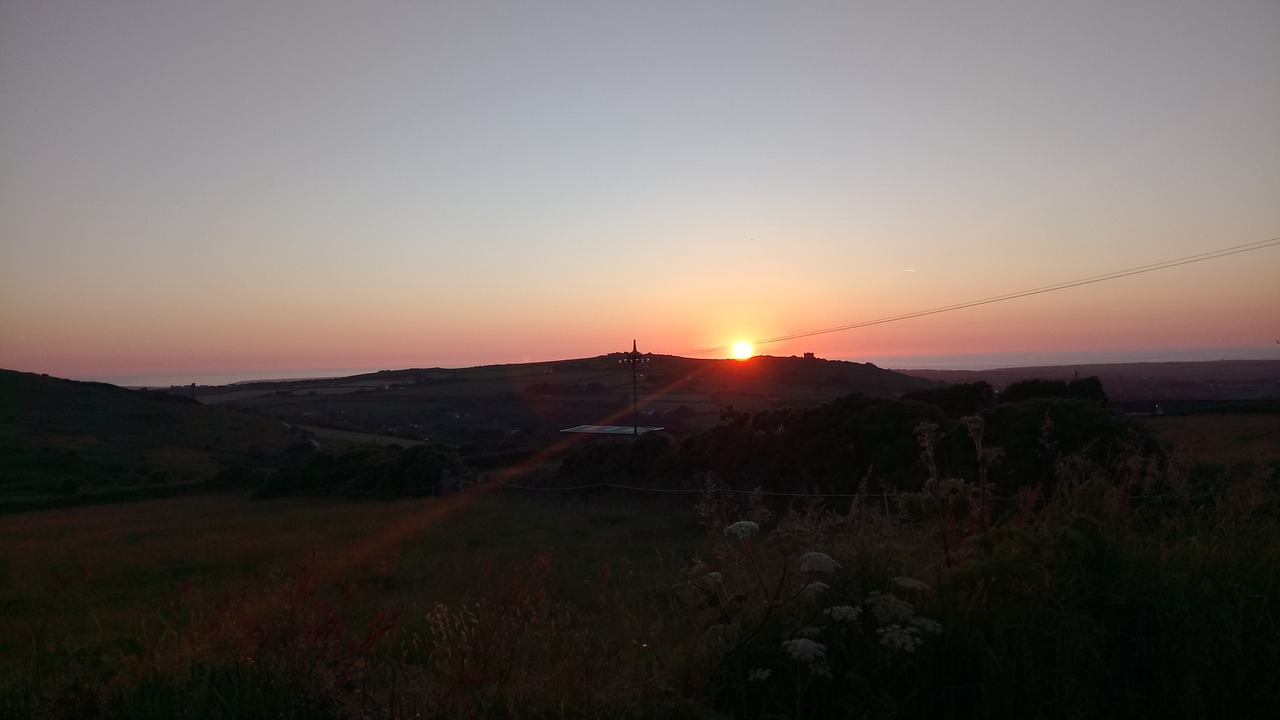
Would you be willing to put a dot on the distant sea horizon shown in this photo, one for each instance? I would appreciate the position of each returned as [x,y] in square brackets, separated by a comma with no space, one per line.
[992,361]
[939,361]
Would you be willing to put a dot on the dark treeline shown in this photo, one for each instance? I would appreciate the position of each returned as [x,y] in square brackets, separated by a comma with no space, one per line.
[964,399]
[855,443]
[862,443]
[377,472]
[1086,388]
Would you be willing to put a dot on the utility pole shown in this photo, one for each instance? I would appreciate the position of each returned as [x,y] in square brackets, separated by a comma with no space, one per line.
[634,358]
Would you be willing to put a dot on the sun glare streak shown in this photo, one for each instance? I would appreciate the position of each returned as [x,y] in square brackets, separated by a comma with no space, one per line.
[742,350]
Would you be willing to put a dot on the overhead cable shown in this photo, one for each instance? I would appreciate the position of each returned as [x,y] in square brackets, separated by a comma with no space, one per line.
[1200,257]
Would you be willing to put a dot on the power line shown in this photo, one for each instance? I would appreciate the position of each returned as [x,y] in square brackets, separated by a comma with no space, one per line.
[1200,257]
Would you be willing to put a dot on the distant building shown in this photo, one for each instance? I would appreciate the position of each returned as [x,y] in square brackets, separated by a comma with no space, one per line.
[810,356]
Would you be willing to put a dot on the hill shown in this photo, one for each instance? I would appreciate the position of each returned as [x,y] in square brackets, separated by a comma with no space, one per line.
[508,407]
[1173,382]
[63,441]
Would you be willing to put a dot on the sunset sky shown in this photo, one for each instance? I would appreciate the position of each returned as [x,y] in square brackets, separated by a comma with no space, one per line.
[190,189]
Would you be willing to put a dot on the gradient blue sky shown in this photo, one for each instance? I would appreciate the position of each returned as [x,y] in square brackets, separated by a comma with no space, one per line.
[283,187]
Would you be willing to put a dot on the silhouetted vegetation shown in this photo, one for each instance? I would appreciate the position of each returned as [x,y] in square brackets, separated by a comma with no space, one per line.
[863,442]
[1087,388]
[957,400]
[370,472]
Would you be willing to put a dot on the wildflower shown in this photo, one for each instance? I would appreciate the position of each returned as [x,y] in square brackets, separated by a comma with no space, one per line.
[742,530]
[711,581]
[813,590]
[925,625]
[805,650]
[817,562]
[898,637]
[907,583]
[888,608]
[809,632]
[843,613]
[759,675]
[720,637]
[821,670]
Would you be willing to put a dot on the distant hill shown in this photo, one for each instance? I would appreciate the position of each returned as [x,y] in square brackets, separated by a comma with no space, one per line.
[66,442]
[62,440]
[500,408]
[1222,380]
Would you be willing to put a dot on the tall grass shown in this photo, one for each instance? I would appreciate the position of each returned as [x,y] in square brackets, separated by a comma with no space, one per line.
[1126,594]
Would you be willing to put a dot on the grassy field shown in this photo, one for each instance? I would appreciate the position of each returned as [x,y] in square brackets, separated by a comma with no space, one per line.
[503,603]
[1221,438]
[117,562]
[91,597]
[349,438]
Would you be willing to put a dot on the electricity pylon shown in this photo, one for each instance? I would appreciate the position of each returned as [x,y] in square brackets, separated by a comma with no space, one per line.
[634,358]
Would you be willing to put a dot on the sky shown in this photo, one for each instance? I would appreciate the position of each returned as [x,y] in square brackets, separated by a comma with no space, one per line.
[281,188]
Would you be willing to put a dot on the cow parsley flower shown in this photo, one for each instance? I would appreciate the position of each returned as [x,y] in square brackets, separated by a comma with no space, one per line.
[907,583]
[759,675]
[742,530]
[720,637]
[843,613]
[897,637]
[804,650]
[711,581]
[821,670]
[888,608]
[817,562]
[925,625]
[809,632]
[813,590]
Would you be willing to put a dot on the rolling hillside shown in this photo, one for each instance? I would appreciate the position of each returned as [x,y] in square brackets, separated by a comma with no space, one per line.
[63,441]
[506,406]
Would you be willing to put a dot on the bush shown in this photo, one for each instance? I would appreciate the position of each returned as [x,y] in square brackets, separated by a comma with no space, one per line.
[382,472]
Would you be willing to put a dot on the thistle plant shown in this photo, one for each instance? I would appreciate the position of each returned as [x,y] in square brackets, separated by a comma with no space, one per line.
[928,435]
[986,457]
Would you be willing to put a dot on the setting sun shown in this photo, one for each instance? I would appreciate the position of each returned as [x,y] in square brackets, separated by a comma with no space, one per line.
[742,350]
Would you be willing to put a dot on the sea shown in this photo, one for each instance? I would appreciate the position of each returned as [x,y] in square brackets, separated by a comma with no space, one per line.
[991,361]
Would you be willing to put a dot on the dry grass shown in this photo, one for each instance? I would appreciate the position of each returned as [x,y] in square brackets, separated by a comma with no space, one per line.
[1221,438]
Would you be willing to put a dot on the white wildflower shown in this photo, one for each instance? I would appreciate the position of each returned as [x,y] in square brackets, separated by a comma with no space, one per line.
[813,590]
[809,632]
[804,650]
[843,613]
[742,530]
[927,626]
[759,675]
[907,583]
[711,581]
[722,636]
[898,637]
[821,670]
[888,608]
[817,562]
